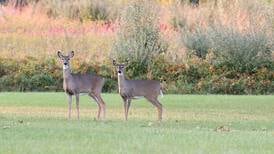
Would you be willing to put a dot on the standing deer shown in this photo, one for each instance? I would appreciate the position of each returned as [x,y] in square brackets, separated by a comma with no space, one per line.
[133,89]
[74,84]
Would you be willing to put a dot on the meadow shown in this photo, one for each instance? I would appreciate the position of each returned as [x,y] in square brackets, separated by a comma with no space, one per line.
[37,123]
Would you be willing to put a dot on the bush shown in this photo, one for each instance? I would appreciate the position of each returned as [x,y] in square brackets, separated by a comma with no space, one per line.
[241,51]
[81,9]
[7,83]
[196,76]
[39,82]
[232,49]
[139,38]
[197,41]
[238,44]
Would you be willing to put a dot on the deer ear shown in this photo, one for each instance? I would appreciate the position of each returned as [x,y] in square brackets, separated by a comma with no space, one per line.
[59,54]
[71,54]
[114,62]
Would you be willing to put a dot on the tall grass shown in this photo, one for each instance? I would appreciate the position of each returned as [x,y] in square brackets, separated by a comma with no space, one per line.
[26,34]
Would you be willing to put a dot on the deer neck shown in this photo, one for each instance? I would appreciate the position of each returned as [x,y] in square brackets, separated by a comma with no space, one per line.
[67,74]
[121,81]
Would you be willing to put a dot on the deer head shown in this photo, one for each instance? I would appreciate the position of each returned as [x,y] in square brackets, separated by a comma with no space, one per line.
[65,59]
[120,67]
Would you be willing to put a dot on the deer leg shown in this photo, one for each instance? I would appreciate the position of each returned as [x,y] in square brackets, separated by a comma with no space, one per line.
[77,106]
[69,106]
[127,103]
[99,106]
[158,105]
[127,107]
[103,105]
[160,110]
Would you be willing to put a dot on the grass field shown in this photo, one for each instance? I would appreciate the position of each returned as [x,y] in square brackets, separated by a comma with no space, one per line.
[36,123]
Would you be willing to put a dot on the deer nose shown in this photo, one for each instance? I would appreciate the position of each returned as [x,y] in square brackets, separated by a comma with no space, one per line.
[119,72]
[65,63]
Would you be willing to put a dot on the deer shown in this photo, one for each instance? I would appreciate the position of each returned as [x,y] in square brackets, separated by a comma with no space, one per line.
[134,89]
[74,84]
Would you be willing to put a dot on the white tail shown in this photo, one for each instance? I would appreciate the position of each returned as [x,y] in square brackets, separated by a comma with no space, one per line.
[161,93]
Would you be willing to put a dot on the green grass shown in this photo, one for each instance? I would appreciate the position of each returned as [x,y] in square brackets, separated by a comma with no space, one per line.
[36,123]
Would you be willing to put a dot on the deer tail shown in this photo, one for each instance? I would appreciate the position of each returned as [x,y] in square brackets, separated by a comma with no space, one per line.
[161,91]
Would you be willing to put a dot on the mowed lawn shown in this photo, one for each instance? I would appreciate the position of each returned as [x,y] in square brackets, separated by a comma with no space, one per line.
[37,123]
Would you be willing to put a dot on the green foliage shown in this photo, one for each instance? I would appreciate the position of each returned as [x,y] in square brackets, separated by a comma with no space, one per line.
[241,51]
[232,49]
[139,38]
[196,76]
[197,41]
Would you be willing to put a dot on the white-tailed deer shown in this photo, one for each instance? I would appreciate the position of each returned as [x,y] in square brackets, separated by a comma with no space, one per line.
[74,84]
[132,89]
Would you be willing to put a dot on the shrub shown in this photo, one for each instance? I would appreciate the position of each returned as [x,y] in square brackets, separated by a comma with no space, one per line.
[139,37]
[241,51]
[233,50]
[39,82]
[7,83]
[197,41]
[81,9]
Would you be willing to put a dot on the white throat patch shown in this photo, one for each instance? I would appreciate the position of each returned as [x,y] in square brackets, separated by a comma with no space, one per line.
[65,67]
[120,74]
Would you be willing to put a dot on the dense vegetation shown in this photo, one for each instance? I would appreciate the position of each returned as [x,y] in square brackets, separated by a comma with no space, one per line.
[216,47]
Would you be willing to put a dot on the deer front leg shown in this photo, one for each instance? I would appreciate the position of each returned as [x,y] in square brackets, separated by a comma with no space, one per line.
[126,107]
[69,106]
[77,106]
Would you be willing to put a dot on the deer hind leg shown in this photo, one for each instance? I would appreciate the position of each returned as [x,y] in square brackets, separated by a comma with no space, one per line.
[158,105]
[102,104]
[97,101]
[69,106]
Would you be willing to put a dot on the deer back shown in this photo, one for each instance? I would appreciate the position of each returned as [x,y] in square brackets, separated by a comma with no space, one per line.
[83,83]
[135,88]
